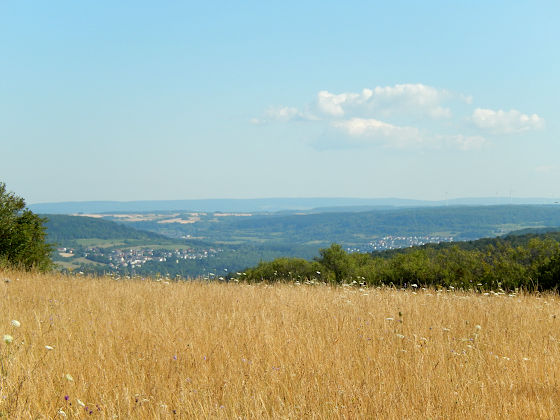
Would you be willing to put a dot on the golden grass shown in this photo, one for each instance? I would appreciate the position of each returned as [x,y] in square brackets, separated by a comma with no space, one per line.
[146,349]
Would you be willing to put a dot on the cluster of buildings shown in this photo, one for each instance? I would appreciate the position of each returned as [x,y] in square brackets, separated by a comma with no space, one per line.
[136,257]
[397,242]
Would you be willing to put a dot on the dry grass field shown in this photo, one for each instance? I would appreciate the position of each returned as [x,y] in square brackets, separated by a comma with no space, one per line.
[151,350]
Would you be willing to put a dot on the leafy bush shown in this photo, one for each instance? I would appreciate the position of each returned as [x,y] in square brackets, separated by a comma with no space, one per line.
[22,235]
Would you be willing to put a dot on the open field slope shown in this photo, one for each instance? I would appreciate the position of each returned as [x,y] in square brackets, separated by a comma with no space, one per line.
[151,350]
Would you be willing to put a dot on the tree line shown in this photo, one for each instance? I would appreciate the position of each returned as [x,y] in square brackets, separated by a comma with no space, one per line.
[507,264]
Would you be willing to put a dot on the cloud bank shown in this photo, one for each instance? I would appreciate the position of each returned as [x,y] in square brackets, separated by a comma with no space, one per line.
[412,98]
[506,122]
[403,116]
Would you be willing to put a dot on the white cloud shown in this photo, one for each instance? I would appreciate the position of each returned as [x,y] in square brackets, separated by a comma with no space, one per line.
[401,98]
[370,130]
[506,122]
[333,105]
[465,143]
[283,114]
[361,131]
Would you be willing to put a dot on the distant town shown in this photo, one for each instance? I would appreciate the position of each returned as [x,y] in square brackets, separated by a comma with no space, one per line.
[136,257]
[397,242]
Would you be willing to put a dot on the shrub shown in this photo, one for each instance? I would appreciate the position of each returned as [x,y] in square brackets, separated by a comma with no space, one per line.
[22,235]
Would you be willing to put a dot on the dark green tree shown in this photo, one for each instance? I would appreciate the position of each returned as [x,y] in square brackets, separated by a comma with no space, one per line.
[22,234]
[336,260]
[548,274]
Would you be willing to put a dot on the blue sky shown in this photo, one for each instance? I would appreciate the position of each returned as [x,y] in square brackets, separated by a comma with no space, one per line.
[138,100]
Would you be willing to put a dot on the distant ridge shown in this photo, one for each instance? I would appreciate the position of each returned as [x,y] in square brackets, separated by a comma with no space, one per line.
[267,204]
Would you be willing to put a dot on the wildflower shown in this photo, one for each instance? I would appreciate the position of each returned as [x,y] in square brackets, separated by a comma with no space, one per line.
[15,323]
[61,412]
[414,285]
[389,319]
[69,377]
[80,402]
[49,347]
[446,329]
[66,397]
[8,338]
[477,327]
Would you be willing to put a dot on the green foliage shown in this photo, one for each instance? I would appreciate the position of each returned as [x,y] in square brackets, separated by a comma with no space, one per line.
[489,265]
[296,269]
[22,234]
[548,274]
[336,260]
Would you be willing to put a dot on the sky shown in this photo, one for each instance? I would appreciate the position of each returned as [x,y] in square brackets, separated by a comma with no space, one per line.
[138,100]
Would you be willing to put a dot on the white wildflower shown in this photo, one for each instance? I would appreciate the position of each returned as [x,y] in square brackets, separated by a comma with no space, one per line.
[15,323]
[8,338]
[61,412]
[49,347]
[389,319]
[477,327]
[80,402]
[69,377]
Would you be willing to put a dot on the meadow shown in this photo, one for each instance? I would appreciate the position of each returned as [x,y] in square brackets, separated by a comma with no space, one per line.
[77,347]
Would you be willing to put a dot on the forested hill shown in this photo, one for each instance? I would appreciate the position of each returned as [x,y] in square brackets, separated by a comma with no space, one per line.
[464,222]
[62,228]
